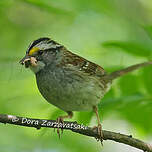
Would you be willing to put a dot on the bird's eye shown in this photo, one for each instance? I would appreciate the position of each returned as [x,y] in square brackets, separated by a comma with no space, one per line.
[40,52]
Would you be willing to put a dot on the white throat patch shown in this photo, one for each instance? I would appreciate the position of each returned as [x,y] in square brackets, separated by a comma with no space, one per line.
[40,65]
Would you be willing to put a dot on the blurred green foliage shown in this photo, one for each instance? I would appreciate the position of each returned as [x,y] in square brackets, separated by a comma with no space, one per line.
[111,33]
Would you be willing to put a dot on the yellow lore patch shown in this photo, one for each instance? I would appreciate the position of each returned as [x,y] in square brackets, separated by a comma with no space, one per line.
[33,50]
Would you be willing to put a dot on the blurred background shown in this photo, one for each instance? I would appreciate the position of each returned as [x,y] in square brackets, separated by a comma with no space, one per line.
[111,33]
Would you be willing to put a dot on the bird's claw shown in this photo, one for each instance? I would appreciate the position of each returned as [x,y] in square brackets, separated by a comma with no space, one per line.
[100,133]
[59,120]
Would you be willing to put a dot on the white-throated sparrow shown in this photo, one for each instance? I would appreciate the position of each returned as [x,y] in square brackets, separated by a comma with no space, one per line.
[67,80]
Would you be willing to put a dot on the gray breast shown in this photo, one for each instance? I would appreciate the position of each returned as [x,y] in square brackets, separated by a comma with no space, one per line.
[70,90]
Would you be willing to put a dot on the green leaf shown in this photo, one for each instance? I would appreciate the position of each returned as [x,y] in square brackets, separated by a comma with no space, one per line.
[129,84]
[85,117]
[148,30]
[46,5]
[147,79]
[139,113]
[129,47]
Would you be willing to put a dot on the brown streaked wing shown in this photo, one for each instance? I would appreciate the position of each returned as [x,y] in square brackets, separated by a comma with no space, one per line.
[81,63]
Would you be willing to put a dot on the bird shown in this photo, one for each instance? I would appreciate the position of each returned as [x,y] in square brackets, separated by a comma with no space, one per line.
[69,81]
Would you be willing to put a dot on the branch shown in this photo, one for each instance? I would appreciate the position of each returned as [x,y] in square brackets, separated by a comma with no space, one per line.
[75,127]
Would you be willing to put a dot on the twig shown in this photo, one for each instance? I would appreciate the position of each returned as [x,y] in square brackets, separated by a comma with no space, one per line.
[75,127]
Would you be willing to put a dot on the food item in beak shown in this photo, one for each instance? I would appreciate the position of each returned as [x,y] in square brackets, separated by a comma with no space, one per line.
[28,61]
[33,61]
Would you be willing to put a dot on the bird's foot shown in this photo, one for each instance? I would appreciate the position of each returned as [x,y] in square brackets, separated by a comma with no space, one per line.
[60,122]
[100,133]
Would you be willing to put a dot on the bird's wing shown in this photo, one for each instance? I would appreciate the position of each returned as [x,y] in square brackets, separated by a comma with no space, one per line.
[72,60]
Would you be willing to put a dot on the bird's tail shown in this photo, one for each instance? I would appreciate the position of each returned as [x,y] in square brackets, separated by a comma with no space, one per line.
[124,71]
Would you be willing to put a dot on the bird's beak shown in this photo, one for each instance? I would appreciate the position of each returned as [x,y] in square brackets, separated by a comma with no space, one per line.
[26,61]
